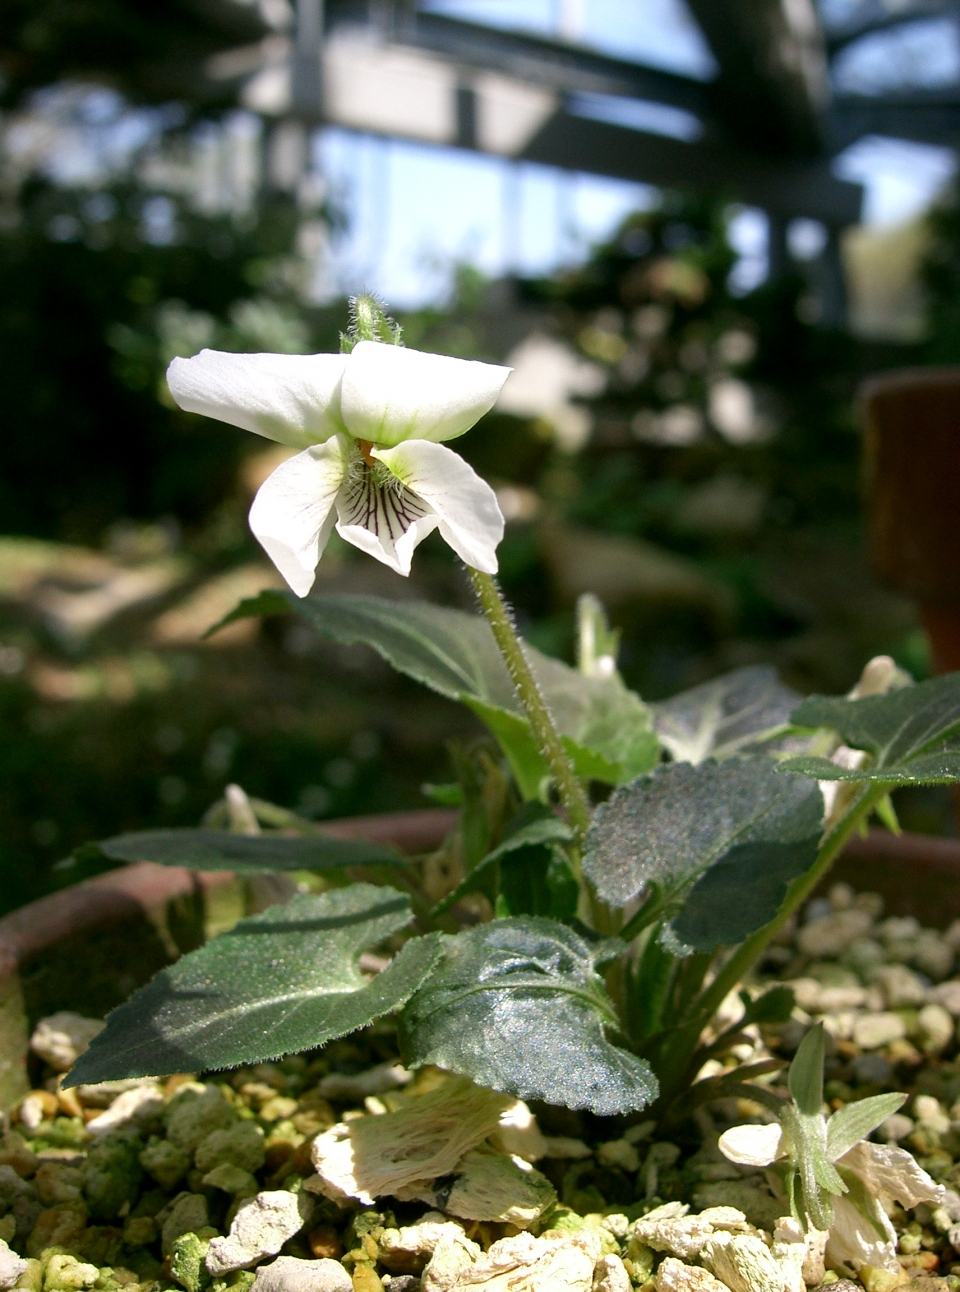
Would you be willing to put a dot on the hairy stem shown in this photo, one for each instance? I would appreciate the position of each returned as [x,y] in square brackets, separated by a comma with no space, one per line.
[571,792]
[749,951]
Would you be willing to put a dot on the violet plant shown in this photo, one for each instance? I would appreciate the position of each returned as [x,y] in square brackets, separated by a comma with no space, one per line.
[618,929]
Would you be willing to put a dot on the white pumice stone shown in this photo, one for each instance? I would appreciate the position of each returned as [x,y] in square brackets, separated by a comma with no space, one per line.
[619,1153]
[831,934]
[902,988]
[375,1081]
[61,1038]
[743,1262]
[675,1276]
[290,1274]
[873,1031]
[260,1228]
[947,994]
[935,1028]
[487,1185]
[552,1263]
[128,1109]
[683,1235]
[11,1267]
[610,1275]
[407,1250]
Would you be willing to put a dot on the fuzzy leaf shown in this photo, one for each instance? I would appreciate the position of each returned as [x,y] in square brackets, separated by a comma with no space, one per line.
[724,716]
[278,982]
[721,840]
[605,726]
[518,1005]
[854,1122]
[245,853]
[806,1074]
[912,734]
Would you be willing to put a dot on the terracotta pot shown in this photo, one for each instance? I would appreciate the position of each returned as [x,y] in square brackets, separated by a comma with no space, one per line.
[87,947]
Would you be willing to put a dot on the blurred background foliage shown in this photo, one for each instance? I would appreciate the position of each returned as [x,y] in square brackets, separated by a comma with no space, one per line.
[685,450]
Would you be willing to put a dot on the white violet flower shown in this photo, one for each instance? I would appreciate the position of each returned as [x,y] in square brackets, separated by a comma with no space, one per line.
[370,426]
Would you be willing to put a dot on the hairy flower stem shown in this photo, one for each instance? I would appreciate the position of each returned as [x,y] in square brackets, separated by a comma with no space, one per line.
[749,951]
[571,792]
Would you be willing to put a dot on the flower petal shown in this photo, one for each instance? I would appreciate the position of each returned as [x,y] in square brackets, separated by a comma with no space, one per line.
[855,1239]
[383,518]
[469,516]
[291,398]
[886,1169]
[752,1145]
[292,514]
[391,394]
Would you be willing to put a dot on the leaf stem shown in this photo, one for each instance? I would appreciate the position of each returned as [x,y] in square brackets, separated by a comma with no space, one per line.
[571,792]
[749,951]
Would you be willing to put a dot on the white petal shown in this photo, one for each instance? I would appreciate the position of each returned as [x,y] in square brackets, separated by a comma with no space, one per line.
[854,1241]
[391,394]
[291,398]
[886,1169]
[292,514]
[752,1145]
[385,520]
[469,516]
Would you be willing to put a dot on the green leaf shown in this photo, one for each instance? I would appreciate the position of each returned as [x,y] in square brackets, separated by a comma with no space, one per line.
[805,1078]
[724,716]
[534,826]
[721,840]
[774,1006]
[605,726]
[518,1005]
[912,734]
[268,602]
[854,1122]
[281,981]
[245,853]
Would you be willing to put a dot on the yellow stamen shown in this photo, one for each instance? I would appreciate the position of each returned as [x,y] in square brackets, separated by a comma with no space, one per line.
[366,447]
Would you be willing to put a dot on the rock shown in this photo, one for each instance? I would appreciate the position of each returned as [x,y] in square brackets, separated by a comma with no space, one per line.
[11,1267]
[239,1145]
[743,1262]
[453,1255]
[930,1114]
[675,1276]
[679,1234]
[619,1153]
[863,955]
[61,1038]
[131,1108]
[112,1174]
[870,1069]
[872,1031]
[231,1179]
[186,1214]
[65,1273]
[57,1182]
[488,1185]
[16,1153]
[555,1262]
[354,1089]
[759,1207]
[518,1132]
[260,1228]
[830,935]
[407,1250]
[875,1279]
[947,994]
[370,1157]
[895,1127]
[901,987]
[59,1226]
[610,1275]
[565,1149]
[934,1029]
[402,1283]
[187,1262]
[164,1162]
[193,1114]
[933,955]
[290,1274]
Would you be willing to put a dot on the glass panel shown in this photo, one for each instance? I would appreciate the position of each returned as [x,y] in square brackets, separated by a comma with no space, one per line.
[914,55]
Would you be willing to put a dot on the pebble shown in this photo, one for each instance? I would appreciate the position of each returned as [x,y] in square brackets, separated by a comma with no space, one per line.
[934,1029]
[675,1276]
[869,1069]
[290,1274]
[260,1228]
[610,1275]
[743,1262]
[832,934]
[551,1263]
[11,1267]
[344,1088]
[128,1109]
[947,994]
[873,1031]
[194,1113]
[61,1038]
[901,987]
[240,1145]
[619,1153]
[407,1250]
[896,1127]
[186,1214]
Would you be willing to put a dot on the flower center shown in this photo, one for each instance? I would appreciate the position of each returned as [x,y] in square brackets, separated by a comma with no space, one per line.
[366,452]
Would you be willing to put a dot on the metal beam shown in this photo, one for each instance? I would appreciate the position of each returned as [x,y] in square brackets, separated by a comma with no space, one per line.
[784,188]
[932,118]
[773,80]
